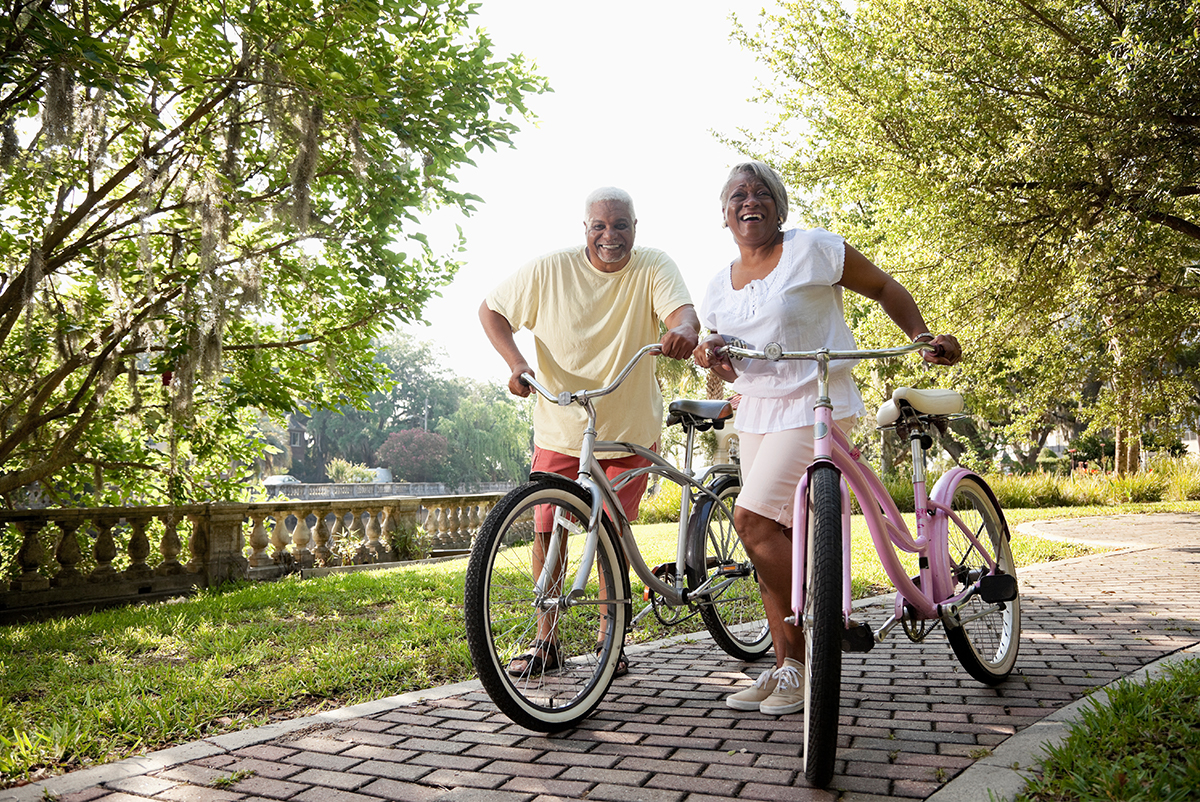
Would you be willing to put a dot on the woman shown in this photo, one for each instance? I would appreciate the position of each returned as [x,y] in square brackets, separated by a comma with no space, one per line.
[786,287]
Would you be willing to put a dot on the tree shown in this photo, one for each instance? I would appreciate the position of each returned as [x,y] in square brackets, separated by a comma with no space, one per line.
[211,207]
[415,390]
[490,437]
[415,455]
[1030,168]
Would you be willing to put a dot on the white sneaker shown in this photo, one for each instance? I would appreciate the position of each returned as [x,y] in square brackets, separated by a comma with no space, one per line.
[788,696]
[750,698]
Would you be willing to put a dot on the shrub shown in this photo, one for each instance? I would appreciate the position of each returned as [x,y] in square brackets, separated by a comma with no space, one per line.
[340,471]
[660,504]
[415,455]
[1085,489]
[1138,488]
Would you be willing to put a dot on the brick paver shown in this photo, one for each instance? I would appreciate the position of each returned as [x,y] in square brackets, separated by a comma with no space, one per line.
[911,718]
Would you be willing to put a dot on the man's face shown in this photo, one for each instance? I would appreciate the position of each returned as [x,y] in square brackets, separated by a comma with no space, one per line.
[610,229]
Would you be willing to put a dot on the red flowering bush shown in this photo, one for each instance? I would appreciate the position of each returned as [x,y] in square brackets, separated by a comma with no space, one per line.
[415,455]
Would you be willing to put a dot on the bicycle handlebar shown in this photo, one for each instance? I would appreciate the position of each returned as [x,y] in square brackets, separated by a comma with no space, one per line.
[773,352]
[566,398]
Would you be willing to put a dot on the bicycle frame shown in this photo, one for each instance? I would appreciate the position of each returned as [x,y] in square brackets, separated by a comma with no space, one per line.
[604,494]
[933,595]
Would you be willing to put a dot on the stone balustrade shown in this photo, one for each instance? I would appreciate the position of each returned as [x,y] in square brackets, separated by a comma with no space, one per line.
[78,559]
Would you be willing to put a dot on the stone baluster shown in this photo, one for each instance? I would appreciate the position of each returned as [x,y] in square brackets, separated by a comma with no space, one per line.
[30,557]
[387,525]
[379,551]
[321,551]
[105,551]
[139,550]
[338,538]
[456,525]
[356,538]
[441,525]
[197,544]
[301,537]
[259,540]
[68,554]
[280,538]
[170,546]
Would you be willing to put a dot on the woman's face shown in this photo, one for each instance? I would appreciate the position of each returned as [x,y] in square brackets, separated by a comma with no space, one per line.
[750,210]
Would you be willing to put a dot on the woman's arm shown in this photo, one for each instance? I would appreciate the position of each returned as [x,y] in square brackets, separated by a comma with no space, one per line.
[862,276]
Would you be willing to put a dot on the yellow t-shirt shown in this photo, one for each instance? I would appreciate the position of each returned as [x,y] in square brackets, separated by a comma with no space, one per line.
[587,325]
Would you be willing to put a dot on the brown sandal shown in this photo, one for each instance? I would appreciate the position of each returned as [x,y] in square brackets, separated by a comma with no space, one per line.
[543,656]
[622,661]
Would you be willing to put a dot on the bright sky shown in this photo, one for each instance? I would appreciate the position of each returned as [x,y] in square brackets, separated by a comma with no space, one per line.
[639,88]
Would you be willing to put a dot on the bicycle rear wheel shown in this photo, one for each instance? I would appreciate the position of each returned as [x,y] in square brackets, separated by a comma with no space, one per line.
[823,624]
[734,615]
[503,607]
[984,635]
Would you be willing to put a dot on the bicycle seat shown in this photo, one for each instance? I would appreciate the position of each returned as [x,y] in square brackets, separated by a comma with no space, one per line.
[925,402]
[701,414]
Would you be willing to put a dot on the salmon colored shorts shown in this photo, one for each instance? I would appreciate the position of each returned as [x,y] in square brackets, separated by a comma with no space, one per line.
[630,495]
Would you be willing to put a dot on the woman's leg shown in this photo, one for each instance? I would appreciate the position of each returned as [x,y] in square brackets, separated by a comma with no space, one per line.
[769,546]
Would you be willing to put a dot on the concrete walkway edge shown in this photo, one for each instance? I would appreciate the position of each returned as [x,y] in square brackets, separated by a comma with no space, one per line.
[1002,775]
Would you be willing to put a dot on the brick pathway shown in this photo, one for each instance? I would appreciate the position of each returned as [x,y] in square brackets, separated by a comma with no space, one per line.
[911,718]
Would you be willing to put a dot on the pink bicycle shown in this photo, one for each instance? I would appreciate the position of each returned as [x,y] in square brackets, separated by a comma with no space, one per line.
[966,578]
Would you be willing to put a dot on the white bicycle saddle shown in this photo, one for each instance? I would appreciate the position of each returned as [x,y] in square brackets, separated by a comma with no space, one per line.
[926,402]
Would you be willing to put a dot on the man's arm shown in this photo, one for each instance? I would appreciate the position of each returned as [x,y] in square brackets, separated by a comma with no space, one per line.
[683,332]
[499,332]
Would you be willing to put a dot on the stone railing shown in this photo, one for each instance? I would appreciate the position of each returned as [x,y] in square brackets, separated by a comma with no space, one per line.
[78,559]
[319,492]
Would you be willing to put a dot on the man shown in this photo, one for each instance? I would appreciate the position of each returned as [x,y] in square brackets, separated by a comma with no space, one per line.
[590,309]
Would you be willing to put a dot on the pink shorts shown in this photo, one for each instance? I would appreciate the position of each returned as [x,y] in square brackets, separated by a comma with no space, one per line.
[772,465]
[630,495]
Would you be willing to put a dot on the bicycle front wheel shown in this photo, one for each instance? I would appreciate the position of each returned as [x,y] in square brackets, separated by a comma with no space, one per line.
[506,612]
[984,635]
[823,624]
[734,613]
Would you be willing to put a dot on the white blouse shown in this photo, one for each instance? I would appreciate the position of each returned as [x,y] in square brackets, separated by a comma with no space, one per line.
[799,306]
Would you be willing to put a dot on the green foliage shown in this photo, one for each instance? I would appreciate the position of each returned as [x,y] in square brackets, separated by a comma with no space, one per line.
[660,504]
[215,208]
[1140,745]
[490,437]
[339,470]
[1138,488]
[1028,170]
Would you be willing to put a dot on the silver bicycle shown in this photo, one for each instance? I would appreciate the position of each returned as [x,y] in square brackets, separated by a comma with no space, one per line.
[554,556]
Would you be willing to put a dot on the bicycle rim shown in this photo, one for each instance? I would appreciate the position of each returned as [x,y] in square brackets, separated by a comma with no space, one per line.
[503,607]
[823,625]
[985,636]
[734,615]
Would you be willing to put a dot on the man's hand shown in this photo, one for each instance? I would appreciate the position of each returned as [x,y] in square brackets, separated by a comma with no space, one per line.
[683,332]
[515,385]
[951,350]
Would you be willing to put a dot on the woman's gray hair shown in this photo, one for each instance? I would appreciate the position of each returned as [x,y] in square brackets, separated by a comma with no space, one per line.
[764,173]
[604,194]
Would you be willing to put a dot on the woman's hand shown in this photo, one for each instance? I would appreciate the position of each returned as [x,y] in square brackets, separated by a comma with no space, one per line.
[706,356]
[951,351]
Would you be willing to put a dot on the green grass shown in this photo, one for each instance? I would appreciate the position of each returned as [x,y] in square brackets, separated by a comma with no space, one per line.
[1144,744]
[100,687]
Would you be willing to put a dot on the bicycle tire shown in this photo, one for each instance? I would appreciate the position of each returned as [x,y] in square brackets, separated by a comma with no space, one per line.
[985,637]
[501,608]
[735,617]
[823,624]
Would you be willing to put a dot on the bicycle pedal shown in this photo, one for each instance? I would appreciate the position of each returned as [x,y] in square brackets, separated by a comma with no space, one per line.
[858,637]
[996,588]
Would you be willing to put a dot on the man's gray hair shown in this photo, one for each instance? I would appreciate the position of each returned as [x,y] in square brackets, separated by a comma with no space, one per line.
[764,173]
[607,194]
